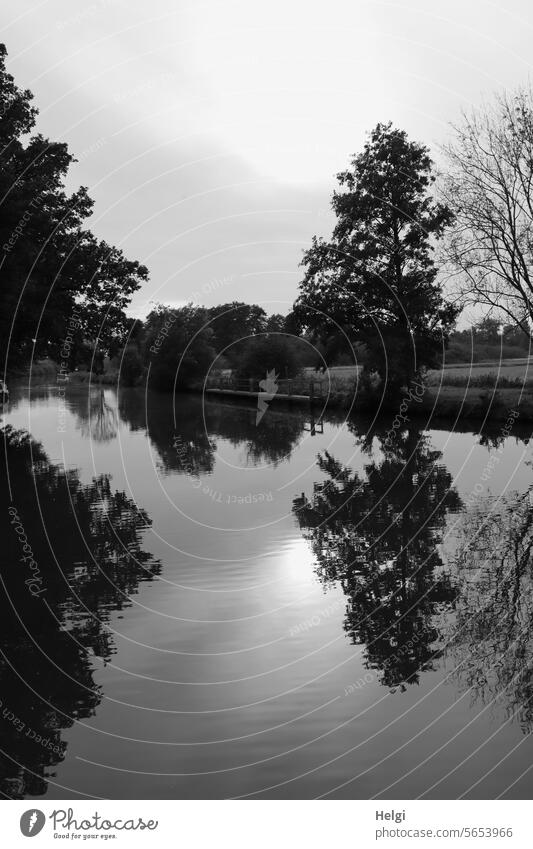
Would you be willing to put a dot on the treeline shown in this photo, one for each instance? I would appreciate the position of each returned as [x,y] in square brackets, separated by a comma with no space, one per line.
[488,339]
[181,346]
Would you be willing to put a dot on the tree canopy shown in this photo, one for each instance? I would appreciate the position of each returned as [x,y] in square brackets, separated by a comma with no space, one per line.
[178,346]
[52,267]
[375,278]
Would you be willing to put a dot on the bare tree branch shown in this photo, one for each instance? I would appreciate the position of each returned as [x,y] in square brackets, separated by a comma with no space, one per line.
[489,185]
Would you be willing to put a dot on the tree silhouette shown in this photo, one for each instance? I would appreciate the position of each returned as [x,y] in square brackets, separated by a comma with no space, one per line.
[58,280]
[375,277]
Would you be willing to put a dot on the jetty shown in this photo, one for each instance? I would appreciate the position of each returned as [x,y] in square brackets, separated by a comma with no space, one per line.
[296,390]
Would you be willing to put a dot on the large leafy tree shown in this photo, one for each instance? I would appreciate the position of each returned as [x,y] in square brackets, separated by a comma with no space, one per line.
[232,324]
[51,267]
[271,352]
[375,278]
[178,346]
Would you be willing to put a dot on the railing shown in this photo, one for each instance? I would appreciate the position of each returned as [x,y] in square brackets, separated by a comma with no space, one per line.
[282,388]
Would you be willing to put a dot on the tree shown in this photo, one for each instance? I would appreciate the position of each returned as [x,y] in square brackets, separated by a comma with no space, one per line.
[232,324]
[375,278]
[270,351]
[275,323]
[488,331]
[131,367]
[178,346]
[490,188]
[55,275]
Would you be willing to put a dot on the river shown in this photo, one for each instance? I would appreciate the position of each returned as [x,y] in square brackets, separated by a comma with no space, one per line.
[196,605]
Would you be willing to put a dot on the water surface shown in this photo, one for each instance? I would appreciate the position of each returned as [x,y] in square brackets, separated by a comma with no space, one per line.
[292,609]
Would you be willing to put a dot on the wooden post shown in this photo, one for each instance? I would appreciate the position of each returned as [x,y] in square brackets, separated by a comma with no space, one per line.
[251,384]
[311,390]
[289,387]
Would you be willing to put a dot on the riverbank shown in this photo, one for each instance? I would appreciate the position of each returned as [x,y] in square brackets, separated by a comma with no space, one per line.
[473,403]
[452,403]
[449,395]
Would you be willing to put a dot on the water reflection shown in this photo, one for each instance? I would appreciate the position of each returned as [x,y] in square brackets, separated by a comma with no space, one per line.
[272,441]
[378,536]
[421,583]
[99,419]
[185,433]
[492,636]
[86,542]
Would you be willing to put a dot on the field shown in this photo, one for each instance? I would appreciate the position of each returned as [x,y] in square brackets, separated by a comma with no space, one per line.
[488,389]
[515,370]
[511,369]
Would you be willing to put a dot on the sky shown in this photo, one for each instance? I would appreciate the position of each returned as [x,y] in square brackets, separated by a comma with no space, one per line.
[209,133]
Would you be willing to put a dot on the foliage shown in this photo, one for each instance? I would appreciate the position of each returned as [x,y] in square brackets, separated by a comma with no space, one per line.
[276,323]
[131,367]
[178,346]
[271,351]
[376,275]
[232,324]
[52,268]
[489,339]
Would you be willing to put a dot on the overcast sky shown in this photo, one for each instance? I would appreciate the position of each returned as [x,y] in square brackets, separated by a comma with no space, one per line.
[209,133]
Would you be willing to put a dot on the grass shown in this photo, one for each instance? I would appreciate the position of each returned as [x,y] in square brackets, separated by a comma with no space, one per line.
[82,376]
[454,402]
[459,397]
[490,380]
[521,370]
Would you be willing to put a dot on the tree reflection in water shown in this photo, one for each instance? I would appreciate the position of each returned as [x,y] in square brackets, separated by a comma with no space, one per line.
[272,441]
[184,429]
[102,422]
[378,535]
[175,428]
[87,542]
[492,638]
[95,409]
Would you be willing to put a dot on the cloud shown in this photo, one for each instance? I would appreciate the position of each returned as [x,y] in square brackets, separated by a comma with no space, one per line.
[209,134]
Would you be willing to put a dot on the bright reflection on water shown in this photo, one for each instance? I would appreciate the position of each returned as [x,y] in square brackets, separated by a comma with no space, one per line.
[285,610]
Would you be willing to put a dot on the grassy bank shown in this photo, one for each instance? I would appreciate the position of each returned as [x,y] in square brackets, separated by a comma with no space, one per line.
[458,402]
[452,394]
[479,398]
